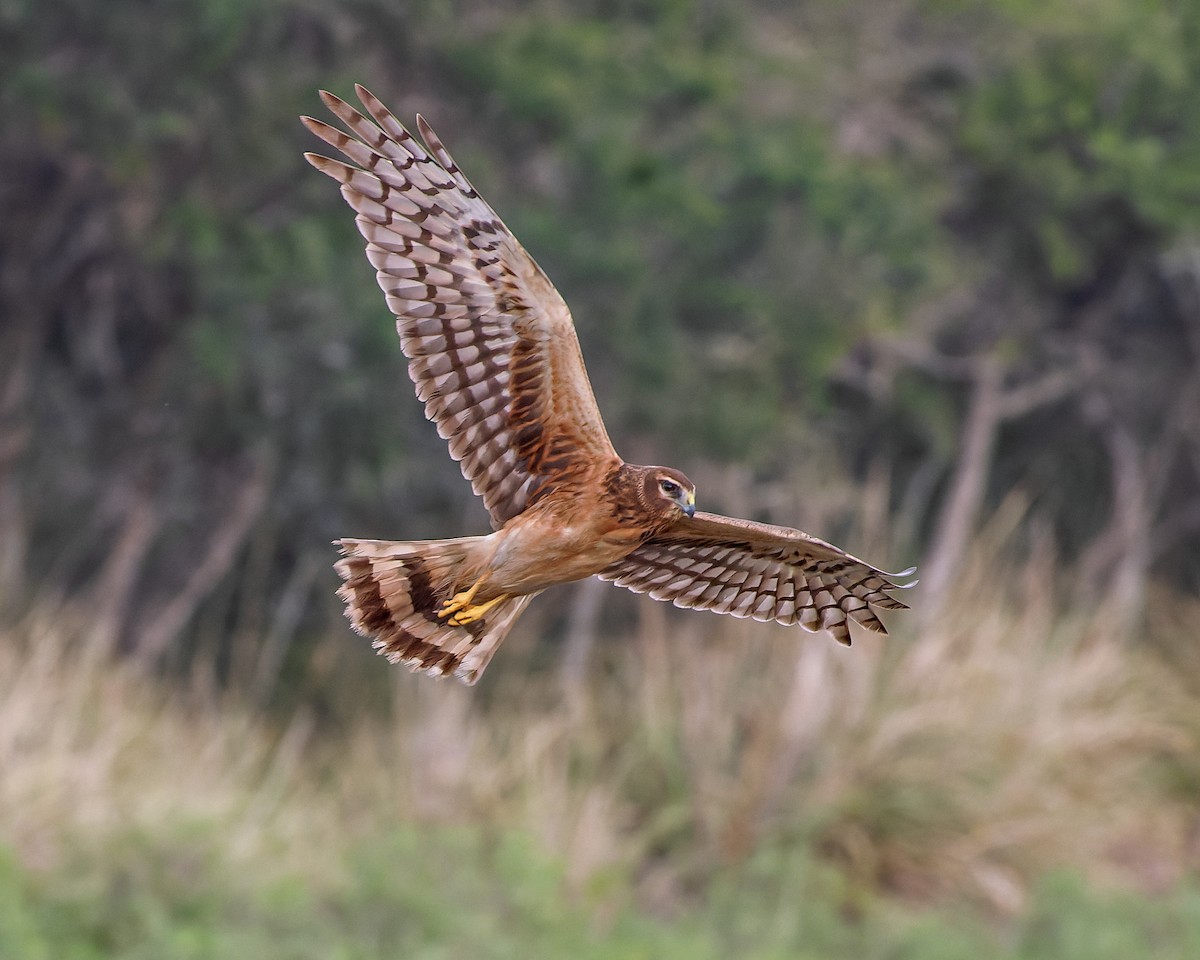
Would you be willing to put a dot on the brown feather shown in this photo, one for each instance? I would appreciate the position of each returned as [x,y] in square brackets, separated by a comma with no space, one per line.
[492,347]
[494,357]
[394,590]
[757,570]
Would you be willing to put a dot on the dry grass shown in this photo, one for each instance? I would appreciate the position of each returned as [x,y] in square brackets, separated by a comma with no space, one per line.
[90,746]
[967,757]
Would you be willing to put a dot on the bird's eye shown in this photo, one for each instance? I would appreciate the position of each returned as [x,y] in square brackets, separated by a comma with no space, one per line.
[669,488]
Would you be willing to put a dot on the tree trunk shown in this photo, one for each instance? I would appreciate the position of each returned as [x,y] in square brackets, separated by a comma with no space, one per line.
[968,485]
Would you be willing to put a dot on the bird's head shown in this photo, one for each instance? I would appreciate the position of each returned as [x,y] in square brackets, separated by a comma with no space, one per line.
[667,484]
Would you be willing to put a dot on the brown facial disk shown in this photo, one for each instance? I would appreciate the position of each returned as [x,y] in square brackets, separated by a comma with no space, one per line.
[664,489]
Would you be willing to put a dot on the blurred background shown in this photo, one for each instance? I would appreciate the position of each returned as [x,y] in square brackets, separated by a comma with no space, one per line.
[921,277]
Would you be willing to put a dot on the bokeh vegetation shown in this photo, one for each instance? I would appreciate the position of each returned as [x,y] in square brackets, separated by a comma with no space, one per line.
[920,277]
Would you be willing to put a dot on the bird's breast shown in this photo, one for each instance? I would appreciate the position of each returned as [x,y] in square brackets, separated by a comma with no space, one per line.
[537,550]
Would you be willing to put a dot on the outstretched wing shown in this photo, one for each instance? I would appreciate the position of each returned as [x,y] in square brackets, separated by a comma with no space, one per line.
[750,569]
[491,345]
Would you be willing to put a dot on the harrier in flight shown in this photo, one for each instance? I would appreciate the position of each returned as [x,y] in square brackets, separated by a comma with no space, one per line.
[493,353]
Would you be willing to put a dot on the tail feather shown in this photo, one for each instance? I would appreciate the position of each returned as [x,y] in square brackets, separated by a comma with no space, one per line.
[393,592]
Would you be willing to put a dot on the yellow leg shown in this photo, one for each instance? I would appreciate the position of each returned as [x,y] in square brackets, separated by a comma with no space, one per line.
[473,613]
[462,611]
[460,600]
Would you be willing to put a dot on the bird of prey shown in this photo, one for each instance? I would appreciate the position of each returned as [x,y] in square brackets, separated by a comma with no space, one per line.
[494,356]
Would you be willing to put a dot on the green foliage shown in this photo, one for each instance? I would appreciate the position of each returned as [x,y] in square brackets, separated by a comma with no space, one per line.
[1089,142]
[187,302]
[675,198]
[446,893]
[702,236]
[1071,922]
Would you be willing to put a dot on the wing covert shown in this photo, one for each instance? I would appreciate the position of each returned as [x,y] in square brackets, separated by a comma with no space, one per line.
[492,348]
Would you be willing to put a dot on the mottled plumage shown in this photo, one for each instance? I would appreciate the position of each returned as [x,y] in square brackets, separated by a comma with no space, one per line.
[493,353]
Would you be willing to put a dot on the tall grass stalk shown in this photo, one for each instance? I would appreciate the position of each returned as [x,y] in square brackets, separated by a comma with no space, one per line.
[1011,736]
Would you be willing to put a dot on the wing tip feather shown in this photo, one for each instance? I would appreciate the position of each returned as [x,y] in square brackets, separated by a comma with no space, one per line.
[327,165]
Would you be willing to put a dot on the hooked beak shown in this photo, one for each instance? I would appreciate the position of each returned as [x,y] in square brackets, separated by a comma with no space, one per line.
[689,504]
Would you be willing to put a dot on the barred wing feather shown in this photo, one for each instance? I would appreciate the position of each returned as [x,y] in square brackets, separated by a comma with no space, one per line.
[749,569]
[492,347]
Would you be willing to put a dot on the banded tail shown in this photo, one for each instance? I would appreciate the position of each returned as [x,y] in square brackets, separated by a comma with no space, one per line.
[394,591]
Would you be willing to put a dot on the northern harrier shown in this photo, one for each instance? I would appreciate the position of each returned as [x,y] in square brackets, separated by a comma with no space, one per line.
[494,356]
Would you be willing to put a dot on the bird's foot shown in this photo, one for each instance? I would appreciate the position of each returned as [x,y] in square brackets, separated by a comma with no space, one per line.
[462,610]
[470,614]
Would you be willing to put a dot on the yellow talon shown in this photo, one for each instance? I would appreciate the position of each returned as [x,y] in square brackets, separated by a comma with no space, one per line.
[460,601]
[462,611]
[470,614]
